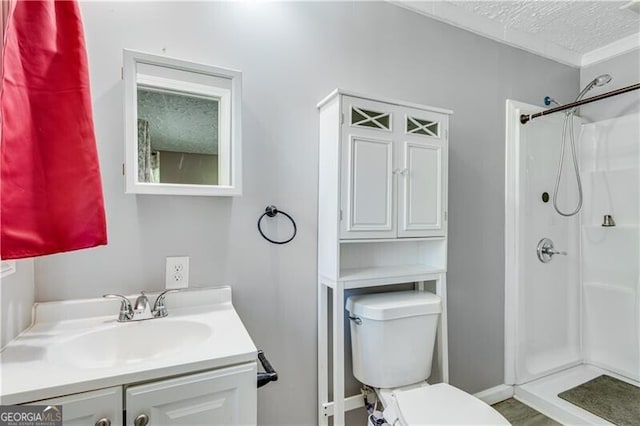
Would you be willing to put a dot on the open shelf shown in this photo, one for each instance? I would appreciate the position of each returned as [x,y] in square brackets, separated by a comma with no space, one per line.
[392,262]
[382,275]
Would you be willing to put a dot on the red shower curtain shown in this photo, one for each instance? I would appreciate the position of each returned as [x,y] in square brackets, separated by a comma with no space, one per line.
[50,189]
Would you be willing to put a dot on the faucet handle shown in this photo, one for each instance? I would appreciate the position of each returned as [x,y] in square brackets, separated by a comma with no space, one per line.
[126,310]
[159,308]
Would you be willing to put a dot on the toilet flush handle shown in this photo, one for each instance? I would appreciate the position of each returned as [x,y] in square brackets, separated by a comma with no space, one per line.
[355,319]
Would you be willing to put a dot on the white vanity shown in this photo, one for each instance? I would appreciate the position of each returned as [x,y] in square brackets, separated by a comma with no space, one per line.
[196,366]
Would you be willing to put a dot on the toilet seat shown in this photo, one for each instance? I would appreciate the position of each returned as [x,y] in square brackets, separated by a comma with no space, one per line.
[443,404]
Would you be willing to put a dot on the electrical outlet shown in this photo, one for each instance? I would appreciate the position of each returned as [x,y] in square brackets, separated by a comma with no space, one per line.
[177,272]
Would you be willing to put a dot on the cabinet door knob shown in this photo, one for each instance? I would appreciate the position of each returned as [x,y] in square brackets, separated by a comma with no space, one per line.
[104,422]
[141,420]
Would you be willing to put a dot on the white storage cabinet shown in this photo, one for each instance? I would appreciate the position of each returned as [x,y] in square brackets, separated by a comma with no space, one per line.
[382,218]
[393,167]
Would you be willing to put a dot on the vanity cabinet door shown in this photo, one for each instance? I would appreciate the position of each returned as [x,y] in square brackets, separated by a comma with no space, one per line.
[89,408]
[227,396]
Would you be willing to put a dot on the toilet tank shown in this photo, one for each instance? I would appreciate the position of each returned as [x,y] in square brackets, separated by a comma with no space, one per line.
[393,336]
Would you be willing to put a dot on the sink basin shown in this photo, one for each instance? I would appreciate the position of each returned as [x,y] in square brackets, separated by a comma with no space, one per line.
[122,344]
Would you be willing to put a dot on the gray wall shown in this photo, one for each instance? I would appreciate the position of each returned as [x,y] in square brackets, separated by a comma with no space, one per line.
[16,299]
[625,70]
[292,55]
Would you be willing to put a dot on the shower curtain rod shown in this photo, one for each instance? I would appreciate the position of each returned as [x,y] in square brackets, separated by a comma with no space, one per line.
[525,118]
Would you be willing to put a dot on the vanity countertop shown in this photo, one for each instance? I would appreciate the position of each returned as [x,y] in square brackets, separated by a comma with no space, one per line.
[78,345]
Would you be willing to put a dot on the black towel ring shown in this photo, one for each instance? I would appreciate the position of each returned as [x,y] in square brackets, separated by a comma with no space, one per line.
[272,211]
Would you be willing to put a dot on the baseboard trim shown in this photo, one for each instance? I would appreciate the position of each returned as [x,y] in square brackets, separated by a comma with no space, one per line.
[495,394]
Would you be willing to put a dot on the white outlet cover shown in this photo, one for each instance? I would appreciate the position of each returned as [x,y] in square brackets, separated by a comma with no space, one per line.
[176,273]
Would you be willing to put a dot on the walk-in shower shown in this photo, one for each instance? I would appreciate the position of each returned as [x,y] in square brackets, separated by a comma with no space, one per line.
[572,282]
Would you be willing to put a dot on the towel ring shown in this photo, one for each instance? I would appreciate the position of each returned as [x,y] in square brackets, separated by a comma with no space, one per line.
[272,211]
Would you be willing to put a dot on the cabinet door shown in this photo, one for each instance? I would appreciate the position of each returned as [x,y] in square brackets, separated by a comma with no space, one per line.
[367,193]
[422,176]
[227,396]
[88,408]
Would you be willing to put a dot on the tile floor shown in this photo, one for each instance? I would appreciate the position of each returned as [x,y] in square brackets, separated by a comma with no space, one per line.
[520,414]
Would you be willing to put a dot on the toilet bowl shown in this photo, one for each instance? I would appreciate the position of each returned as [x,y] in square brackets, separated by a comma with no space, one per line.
[392,340]
[437,404]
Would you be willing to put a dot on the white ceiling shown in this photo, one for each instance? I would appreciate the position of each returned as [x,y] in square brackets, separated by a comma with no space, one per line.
[577,33]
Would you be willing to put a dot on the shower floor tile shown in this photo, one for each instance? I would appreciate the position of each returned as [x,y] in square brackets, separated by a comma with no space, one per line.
[520,414]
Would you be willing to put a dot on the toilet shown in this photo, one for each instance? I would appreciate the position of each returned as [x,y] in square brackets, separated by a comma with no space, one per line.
[392,340]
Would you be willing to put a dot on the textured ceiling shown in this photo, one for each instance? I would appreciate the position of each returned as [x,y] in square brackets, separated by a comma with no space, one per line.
[570,31]
[581,26]
[179,122]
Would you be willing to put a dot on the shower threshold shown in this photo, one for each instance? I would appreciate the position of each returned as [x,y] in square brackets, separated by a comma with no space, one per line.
[542,394]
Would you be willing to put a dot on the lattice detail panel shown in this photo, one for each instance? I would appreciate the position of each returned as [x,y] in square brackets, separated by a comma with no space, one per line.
[419,126]
[371,119]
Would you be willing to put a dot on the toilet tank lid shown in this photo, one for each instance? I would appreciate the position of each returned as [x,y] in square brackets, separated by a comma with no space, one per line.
[392,305]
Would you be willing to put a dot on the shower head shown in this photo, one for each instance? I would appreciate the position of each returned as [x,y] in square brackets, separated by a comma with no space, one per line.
[600,80]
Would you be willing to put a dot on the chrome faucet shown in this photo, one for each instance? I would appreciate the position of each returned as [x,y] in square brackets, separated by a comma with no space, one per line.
[141,310]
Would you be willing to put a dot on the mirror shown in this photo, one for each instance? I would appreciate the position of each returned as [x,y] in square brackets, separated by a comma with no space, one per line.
[182,124]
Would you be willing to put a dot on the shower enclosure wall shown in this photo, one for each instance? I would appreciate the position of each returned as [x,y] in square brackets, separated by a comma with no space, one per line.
[578,316]
[610,255]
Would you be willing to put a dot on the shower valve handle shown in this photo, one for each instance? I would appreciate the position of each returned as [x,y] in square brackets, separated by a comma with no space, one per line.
[546,251]
[552,252]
